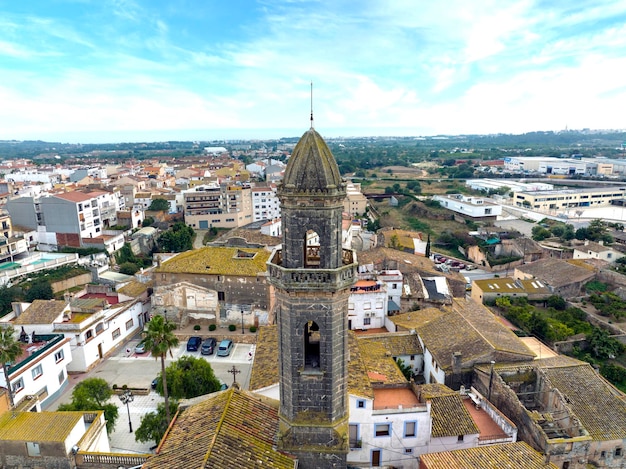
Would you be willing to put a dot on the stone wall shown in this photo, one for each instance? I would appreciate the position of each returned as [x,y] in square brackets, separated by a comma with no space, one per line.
[66,284]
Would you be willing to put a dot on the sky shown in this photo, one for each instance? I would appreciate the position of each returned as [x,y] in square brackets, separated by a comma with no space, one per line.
[83,71]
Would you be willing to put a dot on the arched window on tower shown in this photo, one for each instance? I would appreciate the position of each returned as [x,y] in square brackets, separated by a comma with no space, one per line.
[312,250]
[312,345]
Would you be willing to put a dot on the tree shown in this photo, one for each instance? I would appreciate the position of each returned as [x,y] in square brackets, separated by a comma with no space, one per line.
[159,205]
[427,253]
[603,345]
[39,290]
[179,238]
[154,424]
[8,295]
[556,302]
[129,268]
[93,394]
[539,233]
[406,369]
[159,340]
[9,351]
[189,377]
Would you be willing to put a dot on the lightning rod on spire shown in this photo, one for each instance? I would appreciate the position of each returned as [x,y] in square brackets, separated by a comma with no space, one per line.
[311,104]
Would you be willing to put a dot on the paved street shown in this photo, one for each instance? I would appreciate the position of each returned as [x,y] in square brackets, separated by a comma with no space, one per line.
[139,371]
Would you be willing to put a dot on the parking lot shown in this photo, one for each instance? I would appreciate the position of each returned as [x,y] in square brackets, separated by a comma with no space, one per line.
[138,370]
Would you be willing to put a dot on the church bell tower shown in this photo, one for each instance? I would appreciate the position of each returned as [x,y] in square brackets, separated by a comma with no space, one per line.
[312,276]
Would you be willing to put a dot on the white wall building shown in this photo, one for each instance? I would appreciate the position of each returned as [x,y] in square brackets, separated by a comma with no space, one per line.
[470,207]
[41,371]
[367,305]
[265,204]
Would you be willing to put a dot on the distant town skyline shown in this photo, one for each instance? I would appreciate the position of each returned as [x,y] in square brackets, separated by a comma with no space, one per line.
[153,70]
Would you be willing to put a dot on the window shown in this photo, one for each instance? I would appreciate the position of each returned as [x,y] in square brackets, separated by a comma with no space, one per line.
[116,333]
[566,465]
[367,321]
[618,451]
[221,296]
[360,404]
[410,429]
[382,429]
[59,356]
[394,285]
[408,450]
[367,305]
[460,438]
[33,449]
[17,385]
[379,305]
[129,324]
[351,306]
[61,377]
[37,371]
[89,335]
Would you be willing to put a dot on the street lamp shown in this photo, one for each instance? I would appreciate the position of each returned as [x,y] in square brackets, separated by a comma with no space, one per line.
[126,397]
[242,321]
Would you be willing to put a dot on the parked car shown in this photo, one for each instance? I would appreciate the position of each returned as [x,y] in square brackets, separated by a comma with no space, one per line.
[154,383]
[208,346]
[193,344]
[140,348]
[223,385]
[225,347]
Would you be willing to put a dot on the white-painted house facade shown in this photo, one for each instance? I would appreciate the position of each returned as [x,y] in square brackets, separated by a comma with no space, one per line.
[367,305]
[41,371]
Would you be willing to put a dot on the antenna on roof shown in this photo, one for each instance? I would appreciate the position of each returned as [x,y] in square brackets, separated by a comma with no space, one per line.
[311,104]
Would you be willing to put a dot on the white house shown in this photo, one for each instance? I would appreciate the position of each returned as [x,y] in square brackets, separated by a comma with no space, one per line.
[367,305]
[41,371]
[390,429]
[265,204]
[393,279]
[95,323]
[591,250]
[478,208]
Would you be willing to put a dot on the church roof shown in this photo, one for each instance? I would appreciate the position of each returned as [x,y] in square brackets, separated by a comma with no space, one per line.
[232,428]
[312,166]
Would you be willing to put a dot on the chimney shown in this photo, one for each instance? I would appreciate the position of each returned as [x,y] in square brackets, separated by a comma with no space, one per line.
[17,308]
[457,358]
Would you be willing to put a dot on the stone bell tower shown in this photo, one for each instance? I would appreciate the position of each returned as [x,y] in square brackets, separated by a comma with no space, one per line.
[312,276]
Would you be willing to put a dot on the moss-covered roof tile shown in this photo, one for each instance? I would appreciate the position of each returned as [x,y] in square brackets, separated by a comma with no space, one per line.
[38,426]
[517,455]
[229,429]
[247,262]
[450,417]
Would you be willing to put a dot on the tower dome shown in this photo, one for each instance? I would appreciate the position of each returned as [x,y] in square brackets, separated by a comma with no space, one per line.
[312,166]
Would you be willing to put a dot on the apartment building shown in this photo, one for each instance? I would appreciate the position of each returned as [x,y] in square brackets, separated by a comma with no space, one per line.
[10,244]
[265,204]
[355,202]
[220,206]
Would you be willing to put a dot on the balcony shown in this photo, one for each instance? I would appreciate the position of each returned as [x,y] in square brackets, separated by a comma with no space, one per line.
[304,279]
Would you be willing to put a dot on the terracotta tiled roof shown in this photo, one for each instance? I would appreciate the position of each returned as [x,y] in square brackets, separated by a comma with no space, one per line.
[134,288]
[218,261]
[513,455]
[556,272]
[450,417]
[265,367]
[377,355]
[379,362]
[41,312]
[229,429]
[601,412]
[467,327]
[74,196]
[38,426]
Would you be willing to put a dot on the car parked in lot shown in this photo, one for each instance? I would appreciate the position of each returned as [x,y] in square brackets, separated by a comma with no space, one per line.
[208,346]
[193,344]
[154,383]
[225,348]
[140,348]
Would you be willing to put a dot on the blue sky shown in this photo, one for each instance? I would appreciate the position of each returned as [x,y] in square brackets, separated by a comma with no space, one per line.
[137,70]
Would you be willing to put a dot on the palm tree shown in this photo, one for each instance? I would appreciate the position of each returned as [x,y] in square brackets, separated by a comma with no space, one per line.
[9,351]
[159,340]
